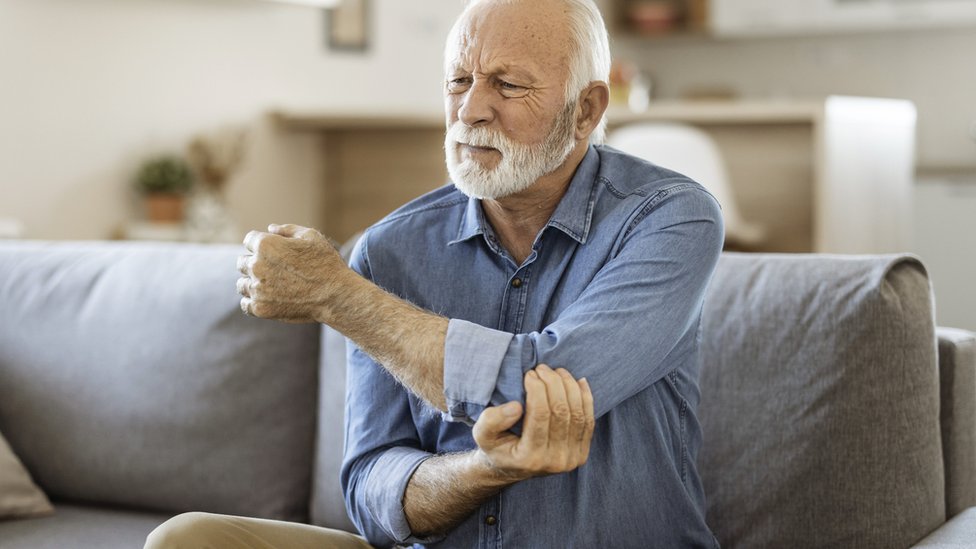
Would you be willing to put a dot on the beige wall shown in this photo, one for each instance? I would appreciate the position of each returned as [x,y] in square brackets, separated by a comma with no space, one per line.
[89,88]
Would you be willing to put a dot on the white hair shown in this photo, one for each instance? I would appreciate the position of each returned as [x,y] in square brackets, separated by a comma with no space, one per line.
[589,55]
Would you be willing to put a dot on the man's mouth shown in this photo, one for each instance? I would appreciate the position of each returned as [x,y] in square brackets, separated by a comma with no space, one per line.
[477,147]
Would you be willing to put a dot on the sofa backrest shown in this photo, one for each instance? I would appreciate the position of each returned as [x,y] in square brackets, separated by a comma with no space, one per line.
[820,402]
[129,376]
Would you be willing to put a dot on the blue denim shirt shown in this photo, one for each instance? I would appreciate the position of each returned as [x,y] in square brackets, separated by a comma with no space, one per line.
[612,291]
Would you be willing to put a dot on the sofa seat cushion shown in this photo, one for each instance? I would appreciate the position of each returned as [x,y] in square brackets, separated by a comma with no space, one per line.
[82,528]
[129,377]
[820,402]
[958,533]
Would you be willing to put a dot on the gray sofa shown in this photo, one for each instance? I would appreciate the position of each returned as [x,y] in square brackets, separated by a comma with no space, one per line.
[835,413]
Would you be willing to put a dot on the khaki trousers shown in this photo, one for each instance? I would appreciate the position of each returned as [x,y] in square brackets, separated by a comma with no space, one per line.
[209,531]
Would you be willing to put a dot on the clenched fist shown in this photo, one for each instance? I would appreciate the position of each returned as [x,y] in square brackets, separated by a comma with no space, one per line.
[293,274]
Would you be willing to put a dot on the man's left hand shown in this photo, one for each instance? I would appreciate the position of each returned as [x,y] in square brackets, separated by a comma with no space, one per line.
[556,433]
[291,274]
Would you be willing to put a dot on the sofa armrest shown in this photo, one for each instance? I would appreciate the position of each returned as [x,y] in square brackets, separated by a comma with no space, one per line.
[957,533]
[957,381]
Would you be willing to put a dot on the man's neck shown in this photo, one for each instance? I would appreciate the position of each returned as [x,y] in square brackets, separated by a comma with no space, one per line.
[517,219]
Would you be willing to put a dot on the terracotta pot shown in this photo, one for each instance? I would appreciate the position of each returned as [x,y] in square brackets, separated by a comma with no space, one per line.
[164,207]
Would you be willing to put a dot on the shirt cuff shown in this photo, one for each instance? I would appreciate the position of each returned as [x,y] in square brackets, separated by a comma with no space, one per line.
[472,359]
[388,479]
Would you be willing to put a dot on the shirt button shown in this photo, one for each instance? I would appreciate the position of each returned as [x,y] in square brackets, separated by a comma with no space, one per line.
[516,282]
[490,520]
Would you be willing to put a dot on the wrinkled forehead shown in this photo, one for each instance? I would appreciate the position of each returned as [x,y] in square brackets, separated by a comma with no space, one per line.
[532,33]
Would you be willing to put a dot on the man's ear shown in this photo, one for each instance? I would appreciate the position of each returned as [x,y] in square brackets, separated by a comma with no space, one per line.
[593,103]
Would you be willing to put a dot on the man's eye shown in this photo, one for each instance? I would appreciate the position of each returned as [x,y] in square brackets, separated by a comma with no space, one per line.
[510,86]
[459,82]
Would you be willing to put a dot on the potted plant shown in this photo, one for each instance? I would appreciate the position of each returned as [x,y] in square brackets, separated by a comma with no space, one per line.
[164,181]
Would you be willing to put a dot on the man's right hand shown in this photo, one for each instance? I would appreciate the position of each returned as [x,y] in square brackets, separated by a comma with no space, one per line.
[556,432]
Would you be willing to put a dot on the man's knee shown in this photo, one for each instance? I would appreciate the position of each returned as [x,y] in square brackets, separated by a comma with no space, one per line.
[186,531]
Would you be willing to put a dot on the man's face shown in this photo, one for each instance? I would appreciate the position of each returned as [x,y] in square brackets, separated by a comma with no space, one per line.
[508,122]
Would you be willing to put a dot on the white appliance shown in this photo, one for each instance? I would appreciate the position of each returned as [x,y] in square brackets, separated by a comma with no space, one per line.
[945,239]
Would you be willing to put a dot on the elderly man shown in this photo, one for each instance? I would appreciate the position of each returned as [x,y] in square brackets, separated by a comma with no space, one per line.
[547,250]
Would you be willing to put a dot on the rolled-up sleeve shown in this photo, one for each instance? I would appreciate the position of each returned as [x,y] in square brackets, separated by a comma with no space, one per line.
[381,454]
[623,331]
[385,486]
[475,354]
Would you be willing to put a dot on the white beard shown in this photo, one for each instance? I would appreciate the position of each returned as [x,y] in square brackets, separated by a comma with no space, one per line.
[521,165]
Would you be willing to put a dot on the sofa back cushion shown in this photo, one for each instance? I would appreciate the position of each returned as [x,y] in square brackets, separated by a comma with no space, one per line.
[129,376]
[820,402]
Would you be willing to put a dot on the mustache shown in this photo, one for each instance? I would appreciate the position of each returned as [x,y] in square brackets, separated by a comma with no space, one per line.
[477,137]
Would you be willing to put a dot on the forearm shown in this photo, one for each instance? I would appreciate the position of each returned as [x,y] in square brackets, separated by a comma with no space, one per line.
[406,340]
[446,489]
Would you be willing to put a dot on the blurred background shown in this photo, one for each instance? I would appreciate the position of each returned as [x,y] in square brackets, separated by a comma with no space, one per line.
[258,112]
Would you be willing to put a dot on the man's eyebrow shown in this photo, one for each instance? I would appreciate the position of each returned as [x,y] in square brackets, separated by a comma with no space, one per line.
[516,71]
[504,69]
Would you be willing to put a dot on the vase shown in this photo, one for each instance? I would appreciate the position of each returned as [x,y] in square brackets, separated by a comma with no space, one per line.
[208,219]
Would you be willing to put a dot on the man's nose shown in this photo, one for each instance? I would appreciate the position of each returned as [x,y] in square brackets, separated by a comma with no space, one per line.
[477,106]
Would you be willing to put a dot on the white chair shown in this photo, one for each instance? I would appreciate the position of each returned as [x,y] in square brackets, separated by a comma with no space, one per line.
[691,152]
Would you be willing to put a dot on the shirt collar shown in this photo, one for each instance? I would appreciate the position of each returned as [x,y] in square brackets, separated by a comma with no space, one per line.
[572,216]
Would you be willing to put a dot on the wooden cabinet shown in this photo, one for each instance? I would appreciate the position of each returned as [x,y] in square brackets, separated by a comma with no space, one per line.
[827,176]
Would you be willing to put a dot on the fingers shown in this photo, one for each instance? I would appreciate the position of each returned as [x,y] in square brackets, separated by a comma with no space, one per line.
[559,409]
[244,286]
[571,418]
[494,422]
[535,430]
[253,239]
[245,264]
[558,424]
[287,230]
[577,415]
[590,419]
[294,231]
